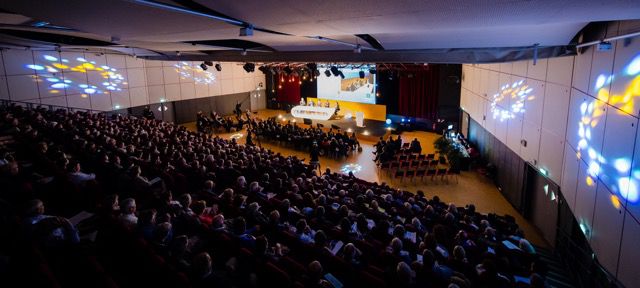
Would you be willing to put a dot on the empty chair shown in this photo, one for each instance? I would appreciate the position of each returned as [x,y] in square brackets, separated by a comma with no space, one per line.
[412,157]
[399,174]
[394,165]
[432,173]
[422,157]
[424,164]
[431,156]
[384,165]
[433,163]
[452,173]
[415,163]
[420,173]
[442,172]
[410,174]
[402,158]
[405,164]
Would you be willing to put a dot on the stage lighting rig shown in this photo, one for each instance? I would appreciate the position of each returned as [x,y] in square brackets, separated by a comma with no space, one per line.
[249,67]
[335,71]
[208,63]
[361,74]
[327,73]
[204,66]
[218,67]
[263,69]
[287,70]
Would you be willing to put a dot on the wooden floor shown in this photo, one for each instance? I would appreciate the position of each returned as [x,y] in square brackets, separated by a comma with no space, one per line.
[472,187]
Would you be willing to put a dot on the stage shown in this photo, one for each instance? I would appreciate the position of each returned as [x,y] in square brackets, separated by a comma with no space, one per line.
[371,131]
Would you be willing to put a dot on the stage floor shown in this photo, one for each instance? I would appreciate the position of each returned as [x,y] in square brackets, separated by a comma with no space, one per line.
[471,187]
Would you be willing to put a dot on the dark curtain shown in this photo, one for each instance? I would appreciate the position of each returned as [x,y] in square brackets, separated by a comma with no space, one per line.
[418,94]
[288,89]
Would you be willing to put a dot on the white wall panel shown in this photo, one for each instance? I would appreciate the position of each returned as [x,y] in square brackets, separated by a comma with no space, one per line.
[79,101]
[617,148]
[116,61]
[132,62]
[172,91]
[535,102]
[607,229]
[139,96]
[226,86]
[514,134]
[215,88]
[101,102]
[136,77]
[154,76]
[57,101]
[629,253]
[475,80]
[530,133]
[560,70]
[537,71]
[120,98]
[170,75]
[623,79]
[22,87]
[601,68]
[100,59]
[582,70]
[633,199]
[569,181]
[187,91]
[585,199]
[16,61]
[551,154]
[2,71]
[202,90]
[484,84]
[556,108]
[501,130]
[494,84]
[238,85]
[506,67]
[153,63]
[249,85]
[156,94]
[520,68]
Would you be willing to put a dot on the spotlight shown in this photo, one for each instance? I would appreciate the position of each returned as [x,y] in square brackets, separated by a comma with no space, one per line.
[341,74]
[316,73]
[208,63]
[312,66]
[263,69]
[204,66]
[372,71]
[287,70]
[249,67]
[218,67]
[361,74]
[335,71]
[327,73]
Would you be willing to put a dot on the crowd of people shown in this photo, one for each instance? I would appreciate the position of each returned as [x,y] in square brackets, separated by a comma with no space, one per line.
[179,208]
[387,150]
[330,143]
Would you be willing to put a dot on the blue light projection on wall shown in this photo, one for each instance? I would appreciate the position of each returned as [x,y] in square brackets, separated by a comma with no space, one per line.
[624,186]
[112,80]
[518,92]
[199,76]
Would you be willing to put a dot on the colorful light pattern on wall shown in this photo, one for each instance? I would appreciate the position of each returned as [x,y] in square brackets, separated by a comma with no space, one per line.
[591,113]
[518,92]
[112,80]
[200,76]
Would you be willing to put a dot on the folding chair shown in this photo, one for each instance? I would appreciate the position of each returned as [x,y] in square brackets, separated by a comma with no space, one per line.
[399,174]
[410,174]
[405,164]
[420,173]
[431,173]
[422,157]
[441,172]
[415,164]
[431,156]
[452,174]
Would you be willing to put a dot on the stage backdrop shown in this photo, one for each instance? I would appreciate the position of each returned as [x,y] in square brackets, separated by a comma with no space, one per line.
[418,94]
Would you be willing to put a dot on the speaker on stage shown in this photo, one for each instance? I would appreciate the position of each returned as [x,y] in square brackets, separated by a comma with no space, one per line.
[307,121]
[335,127]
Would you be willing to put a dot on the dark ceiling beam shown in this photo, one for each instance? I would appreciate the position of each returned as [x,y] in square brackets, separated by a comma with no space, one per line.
[475,55]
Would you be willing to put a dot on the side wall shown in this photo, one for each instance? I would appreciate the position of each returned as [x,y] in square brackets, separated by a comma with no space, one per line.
[575,119]
[113,81]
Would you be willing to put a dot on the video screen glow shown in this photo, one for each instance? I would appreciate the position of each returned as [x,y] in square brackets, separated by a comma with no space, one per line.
[352,88]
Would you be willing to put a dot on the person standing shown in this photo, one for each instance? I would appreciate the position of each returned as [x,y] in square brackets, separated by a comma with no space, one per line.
[148,114]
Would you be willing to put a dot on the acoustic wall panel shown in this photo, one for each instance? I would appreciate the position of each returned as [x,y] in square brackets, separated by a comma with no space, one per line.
[617,149]
[629,252]
[530,134]
[626,76]
[534,101]
[79,101]
[569,183]
[520,68]
[170,75]
[4,89]
[585,200]
[139,96]
[16,62]
[172,92]
[101,102]
[514,134]
[154,76]
[136,77]
[537,71]
[187,91]
[156,94]
[22,87]
[607,228]
[560,70]
[116,61]
[556,107]
[582,69]
[550,156]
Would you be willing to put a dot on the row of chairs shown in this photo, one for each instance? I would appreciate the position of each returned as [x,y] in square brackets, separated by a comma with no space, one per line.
[443,173]
[408,164]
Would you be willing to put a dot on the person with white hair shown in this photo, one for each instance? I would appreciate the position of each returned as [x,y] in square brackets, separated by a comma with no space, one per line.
[128,216]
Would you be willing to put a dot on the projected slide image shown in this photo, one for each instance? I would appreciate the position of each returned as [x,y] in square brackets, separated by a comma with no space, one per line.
[352,88]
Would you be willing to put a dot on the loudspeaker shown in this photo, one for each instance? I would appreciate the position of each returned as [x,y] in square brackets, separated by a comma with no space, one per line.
[335,127]
[307,121]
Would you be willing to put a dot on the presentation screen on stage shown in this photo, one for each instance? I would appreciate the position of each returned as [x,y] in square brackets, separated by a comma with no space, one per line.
[351,88]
